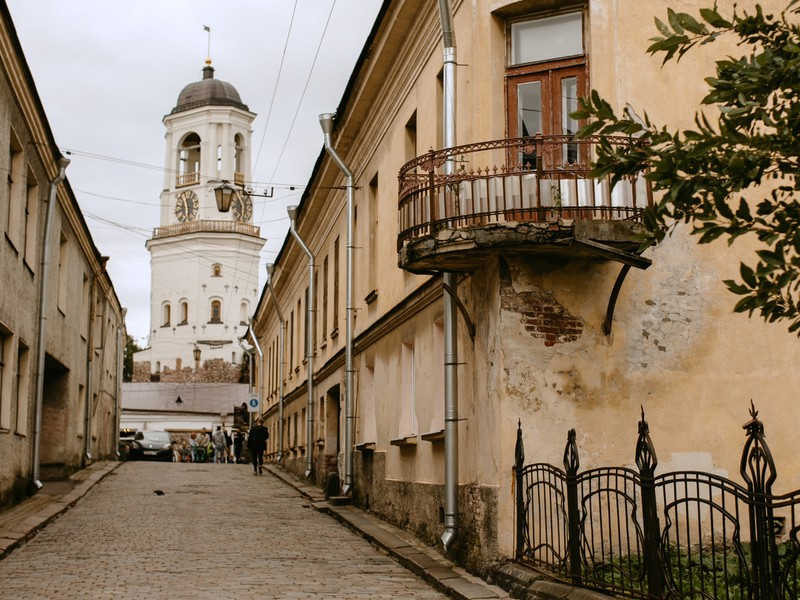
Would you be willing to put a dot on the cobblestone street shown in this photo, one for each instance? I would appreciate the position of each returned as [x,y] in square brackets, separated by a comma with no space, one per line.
[200,531]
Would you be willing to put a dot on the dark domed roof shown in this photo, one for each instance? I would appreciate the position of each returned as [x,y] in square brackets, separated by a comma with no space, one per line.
[208,92]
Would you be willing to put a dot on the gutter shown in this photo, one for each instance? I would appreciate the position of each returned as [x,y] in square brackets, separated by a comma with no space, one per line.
[87,421]
[309,344]
[450,282]
[282,366]
[326,122]
[63,163]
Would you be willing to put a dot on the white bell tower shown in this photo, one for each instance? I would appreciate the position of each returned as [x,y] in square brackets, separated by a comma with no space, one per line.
[204,263]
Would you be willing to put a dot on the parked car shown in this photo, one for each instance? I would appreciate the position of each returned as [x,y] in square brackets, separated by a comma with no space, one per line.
[151,445]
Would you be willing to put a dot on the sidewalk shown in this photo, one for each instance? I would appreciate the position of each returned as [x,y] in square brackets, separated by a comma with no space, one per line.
[431,566]
[21,522]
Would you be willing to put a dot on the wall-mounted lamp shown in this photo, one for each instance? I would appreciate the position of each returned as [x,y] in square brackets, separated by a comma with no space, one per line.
[224,193]
[196,353]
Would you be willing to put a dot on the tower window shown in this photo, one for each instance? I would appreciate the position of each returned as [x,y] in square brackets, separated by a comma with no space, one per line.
[216,271]
[189,161]
[166,316]
[184,313]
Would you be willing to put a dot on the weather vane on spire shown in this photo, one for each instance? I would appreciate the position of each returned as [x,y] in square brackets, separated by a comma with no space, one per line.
[208,53]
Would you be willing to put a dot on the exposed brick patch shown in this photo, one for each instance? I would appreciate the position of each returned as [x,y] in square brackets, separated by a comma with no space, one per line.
[541,314]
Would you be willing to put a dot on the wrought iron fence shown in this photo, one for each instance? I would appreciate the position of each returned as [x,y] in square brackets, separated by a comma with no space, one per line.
[685,534]
[518,179]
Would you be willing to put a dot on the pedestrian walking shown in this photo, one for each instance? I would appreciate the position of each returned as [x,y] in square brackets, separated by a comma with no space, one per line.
[203,441]
[228,444]
[218,439]
[238,442]
[257,444]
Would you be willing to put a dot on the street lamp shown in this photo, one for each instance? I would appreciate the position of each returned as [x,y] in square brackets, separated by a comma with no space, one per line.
[224,193]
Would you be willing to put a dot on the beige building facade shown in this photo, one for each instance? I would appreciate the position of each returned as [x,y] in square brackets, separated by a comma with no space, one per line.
[559,322]
[62,330]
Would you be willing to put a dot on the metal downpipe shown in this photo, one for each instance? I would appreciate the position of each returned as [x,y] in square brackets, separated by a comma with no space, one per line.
[282,344]
[120,370]
[87,420]
[63,163]
[292,210]
[450,308]
[326,122]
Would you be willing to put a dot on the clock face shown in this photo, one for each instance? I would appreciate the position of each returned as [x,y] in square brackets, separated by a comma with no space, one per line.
[186,207]
[242,208]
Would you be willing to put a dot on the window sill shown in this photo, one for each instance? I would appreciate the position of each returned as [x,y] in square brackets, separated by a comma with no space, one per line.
[371,297]
[404,442]
[334,334]
[366,447]
[433,436]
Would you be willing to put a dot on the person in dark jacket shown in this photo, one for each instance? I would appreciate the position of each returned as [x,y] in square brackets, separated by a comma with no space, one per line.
[257,444]
[238,443]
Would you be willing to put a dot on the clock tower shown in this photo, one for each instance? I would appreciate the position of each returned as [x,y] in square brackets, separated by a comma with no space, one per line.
[204,263]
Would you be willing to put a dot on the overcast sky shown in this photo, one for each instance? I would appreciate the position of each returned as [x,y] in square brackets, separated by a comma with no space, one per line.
[108,71]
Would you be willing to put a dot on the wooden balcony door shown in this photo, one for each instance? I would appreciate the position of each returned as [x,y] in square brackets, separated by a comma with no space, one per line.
[540,101]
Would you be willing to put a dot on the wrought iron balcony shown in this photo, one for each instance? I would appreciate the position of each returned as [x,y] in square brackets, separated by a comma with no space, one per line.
[205,226]
[529,194]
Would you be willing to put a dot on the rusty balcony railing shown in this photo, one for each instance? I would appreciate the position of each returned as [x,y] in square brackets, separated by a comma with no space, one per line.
[521,179]
[206,226]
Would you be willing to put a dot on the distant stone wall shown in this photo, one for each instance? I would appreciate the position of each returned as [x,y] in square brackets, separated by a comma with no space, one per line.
[211,371]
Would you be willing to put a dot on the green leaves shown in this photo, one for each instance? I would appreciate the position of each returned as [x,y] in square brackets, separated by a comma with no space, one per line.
[747,157]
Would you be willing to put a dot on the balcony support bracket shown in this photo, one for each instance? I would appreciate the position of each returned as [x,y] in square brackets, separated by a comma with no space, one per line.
[462,309]
[628,260]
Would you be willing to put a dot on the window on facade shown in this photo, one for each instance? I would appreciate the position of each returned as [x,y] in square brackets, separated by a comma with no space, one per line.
[216,270]
[31,221]
[85,303]
[411,150]
[15,193]
[436,388]
[5,378]
[216,311]
[546,74]
[373,236]
[166,315]
[184,313]
[63,254]
[243,310]
[300,323]
[368,426]
[23,388]
[306,325]
[325,298]
[291,342]
[408,409]
[335,318]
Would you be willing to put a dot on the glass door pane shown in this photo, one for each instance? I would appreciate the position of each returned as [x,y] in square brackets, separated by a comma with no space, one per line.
[529,116]
[569,126]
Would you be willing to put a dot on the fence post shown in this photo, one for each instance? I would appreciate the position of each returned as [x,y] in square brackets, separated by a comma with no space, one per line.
[571,465]
[758,470]
[647,462]
[519,465]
